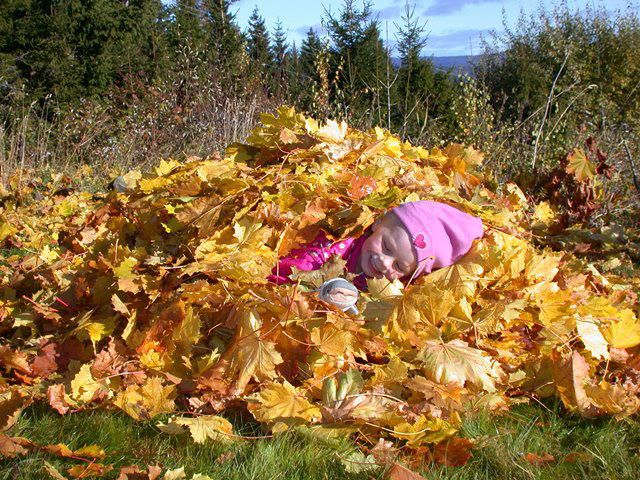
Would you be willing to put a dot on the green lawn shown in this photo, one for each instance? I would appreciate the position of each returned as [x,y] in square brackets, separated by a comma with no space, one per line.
[581,448]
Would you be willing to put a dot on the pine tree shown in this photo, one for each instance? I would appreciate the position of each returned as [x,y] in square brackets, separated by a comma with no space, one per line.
[360,62]
[309,77]
[311,45]
[415,75]
[294,73]
[258,47]
[422,93]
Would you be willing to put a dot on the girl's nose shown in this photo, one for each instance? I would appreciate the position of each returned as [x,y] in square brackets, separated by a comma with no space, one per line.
[387,263]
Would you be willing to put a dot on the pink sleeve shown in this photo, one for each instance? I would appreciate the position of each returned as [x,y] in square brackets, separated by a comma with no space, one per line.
[306,258]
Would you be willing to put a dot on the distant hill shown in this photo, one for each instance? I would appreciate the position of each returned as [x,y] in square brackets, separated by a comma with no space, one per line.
[457,64]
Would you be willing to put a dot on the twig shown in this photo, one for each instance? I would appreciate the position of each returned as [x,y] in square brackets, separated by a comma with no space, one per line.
[546,112]
[632,165]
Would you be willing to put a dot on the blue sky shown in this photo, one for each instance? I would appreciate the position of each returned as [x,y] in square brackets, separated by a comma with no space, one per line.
[454,26]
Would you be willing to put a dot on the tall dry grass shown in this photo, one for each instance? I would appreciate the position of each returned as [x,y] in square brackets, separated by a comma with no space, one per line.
[130,128]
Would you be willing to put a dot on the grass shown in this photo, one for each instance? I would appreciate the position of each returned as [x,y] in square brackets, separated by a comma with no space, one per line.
[593,449]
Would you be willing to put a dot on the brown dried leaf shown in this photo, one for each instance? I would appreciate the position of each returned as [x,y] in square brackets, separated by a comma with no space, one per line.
[453,453]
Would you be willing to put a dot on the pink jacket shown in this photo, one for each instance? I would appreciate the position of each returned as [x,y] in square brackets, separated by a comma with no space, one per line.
[313,255]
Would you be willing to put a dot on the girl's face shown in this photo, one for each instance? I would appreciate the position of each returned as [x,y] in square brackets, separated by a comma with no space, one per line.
[388,251]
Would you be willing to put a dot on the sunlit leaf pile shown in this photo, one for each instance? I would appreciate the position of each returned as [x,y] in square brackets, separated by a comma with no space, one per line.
[155,301]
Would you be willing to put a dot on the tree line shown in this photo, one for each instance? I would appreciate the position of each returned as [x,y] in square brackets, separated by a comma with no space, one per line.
[72,50]
[149,67]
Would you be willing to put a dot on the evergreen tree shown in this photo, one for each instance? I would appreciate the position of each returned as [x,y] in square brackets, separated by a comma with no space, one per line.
[424,95]
[294,73]
[187,28]
[309,78]
[258,47]
[74,48]
[360,62]
[281,60]
[415,74]
[225,43]
[311,45]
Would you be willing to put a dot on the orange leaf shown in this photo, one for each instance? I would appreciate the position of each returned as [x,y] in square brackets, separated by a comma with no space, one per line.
[15,360]
[11,446]
[535,459]
[399,472]
[59,449]
[134,472]
[360,187]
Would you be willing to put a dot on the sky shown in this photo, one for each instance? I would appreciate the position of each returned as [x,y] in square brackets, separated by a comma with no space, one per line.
[454,27]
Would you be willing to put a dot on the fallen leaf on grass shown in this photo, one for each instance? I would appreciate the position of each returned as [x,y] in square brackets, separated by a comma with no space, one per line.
[384,452]
[89,470]
[453,453]
[12,446]
[56,395]
[399,472]
[176,474]
[574,457]
[535,459]
[225,457]
[134,472]
[91,451]
[11,405]
[53,472]
[59,449]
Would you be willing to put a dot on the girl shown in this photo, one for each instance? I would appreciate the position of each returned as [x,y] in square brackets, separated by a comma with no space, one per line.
[408,241]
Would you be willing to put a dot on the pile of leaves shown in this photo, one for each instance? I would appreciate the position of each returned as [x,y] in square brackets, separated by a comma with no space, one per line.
[155,301]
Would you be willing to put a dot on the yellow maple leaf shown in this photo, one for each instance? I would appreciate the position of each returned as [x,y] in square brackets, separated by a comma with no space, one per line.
[91,451]
[543,216]
[84,387]
[580,165]
[332,132]
[460,279]
[203,427]
[423,308]
[612,399]
[282,402]
[625,333]
[148,400]
[175,474]
[6,230]
[392,373]
[253,357]
[331,340]
[187,334]
[424,430]
[457,362]
[166,167]
[542,267]
[124,270]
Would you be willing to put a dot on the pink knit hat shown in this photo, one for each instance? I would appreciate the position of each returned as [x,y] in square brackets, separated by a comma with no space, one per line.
[440,234]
